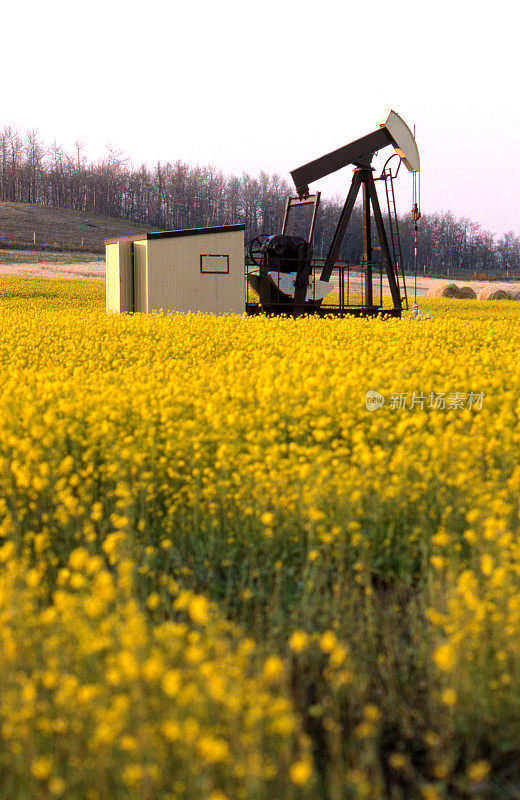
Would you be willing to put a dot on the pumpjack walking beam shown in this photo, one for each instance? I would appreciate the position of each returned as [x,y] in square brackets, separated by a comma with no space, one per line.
[353,153]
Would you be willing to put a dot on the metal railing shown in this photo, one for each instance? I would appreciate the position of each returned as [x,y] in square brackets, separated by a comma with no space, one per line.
[348,284]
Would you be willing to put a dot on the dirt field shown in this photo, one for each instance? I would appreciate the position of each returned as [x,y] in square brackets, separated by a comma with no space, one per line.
[95,270]
[425,284]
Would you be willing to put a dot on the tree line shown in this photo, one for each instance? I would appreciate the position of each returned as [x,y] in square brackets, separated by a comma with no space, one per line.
[175,195]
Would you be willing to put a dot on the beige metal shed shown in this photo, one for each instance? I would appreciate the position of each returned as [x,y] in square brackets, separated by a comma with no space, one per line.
[201,269]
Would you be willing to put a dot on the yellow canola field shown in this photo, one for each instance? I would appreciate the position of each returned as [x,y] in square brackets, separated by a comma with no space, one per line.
[223,576]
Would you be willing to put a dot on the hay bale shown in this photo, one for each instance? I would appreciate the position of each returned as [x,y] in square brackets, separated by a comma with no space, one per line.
[493,294]
[467,293]
[444,290]
[515,295]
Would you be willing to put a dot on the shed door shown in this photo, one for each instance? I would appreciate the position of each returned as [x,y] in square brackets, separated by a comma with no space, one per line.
[126,276]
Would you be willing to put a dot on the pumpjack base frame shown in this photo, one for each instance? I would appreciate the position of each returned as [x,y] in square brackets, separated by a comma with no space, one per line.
[284,310]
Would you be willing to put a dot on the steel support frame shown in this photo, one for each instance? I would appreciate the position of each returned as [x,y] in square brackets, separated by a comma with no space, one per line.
[363,177]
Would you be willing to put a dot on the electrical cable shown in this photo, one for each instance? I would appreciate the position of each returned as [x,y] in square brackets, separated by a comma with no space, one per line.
[416,215]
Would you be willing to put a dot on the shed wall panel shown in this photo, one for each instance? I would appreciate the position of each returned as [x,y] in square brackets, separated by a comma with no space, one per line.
[119,277]
[175,280]
[112,277]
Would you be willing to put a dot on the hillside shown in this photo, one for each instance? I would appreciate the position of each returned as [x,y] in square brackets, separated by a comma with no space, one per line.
[59,228]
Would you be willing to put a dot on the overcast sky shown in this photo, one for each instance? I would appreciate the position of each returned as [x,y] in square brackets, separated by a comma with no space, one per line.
[271,85]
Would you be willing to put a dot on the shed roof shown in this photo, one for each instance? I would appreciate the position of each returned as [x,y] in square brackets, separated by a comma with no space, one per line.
[139,237]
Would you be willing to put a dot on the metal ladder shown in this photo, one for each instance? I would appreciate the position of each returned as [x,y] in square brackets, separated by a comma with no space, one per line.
[395,236]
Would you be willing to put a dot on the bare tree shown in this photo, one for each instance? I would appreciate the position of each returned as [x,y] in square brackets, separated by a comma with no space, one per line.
[177,195]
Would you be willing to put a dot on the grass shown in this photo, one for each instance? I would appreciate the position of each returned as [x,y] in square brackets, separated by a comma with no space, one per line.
[59,228]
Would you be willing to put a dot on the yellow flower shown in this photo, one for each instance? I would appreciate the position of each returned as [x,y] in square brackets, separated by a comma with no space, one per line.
[449,697]
[153,600]
[487,564]
[364,730]
[6,552]
[41,767]
[198,610]
[372,713]
[171,682]
[398,760]
[153,668]
[273,668]
[328,641]
[212,749]
[57,786]
[429,792]
[441,770]
[132,774]
[171,730]
[94,606]
[128,743]
[338,655]
[33,578]
[444,657]
[478,771]
[300,772]
[441,538]
[78,558]
[298,641]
